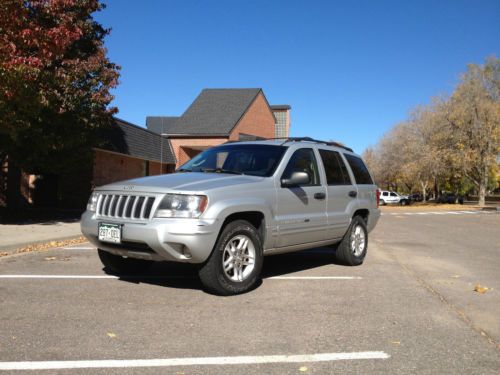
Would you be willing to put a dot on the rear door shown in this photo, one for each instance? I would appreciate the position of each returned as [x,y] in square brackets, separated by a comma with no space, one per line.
[364,182]
[341,193]
[301,210]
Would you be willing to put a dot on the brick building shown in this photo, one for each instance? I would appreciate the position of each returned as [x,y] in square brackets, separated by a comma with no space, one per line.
[215,117]
[219,115]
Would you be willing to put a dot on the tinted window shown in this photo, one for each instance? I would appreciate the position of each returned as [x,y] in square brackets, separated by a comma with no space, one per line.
[385,193]
[335,169]
[359,170]
[303,160]
[250,159]
[394,195]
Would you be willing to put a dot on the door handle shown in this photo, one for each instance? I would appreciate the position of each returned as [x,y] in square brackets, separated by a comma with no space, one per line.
[353,193]
[319,196]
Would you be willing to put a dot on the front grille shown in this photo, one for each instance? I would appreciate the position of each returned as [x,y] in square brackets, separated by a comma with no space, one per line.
[125,206]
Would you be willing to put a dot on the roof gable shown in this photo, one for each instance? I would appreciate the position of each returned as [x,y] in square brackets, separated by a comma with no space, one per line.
[214,112]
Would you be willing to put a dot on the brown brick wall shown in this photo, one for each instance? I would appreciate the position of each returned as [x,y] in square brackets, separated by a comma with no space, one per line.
[179,146]
[258,120]
[110,167]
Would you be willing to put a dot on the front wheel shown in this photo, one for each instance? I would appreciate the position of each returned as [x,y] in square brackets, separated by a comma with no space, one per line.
[123,266]
[352,249]
[236,261]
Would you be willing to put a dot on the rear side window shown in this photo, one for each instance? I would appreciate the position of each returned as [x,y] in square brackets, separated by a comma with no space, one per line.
[359,170]
[335,169]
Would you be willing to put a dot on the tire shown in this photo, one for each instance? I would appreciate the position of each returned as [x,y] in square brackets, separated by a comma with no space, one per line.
[382,202]
[123,266]
[225,272]
[348,251]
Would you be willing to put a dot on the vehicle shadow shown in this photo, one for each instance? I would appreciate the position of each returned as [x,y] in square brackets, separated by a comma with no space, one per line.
[185,276]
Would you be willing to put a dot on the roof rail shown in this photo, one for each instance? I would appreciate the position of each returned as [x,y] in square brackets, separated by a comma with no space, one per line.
[309,139]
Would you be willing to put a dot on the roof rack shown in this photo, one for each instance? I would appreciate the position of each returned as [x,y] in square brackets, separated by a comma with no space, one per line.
[309,139]
[296,139]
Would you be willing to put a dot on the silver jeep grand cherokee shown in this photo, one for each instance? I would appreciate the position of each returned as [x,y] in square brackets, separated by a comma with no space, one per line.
[233,204]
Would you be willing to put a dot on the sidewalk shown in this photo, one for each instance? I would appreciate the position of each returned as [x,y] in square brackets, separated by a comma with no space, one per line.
[14,236]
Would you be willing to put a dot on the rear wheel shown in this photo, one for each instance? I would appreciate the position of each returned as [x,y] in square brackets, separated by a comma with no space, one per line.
[352,249]
[382,202]
[236,261]
[123,266]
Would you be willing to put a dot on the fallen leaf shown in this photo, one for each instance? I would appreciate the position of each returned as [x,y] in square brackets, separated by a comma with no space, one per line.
[50,258]
[112,335]
[396,342]
[303,369]
[480,289]
[65,258]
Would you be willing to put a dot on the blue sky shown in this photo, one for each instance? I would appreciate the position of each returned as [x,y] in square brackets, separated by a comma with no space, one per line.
[350,70]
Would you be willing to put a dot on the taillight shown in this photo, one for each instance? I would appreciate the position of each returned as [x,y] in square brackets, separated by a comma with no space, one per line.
[378,198]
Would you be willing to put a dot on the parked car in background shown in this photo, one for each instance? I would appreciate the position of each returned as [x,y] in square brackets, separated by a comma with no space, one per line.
[391,197]
[416,197]
[450,198]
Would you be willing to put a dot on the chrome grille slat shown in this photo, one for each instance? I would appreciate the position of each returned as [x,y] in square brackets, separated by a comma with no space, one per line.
[117,207]
[110,206]
[143,208]
[125,206]
[134,206]
[105,204]
[99,203]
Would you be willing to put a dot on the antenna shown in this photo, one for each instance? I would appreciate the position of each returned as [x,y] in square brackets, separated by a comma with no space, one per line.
[161,145]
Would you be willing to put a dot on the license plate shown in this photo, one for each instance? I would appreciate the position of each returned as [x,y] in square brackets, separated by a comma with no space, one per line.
[110,232]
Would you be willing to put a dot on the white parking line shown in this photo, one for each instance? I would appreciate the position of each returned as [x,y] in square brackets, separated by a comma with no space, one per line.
[168,277]
[314,278]
[435,213]
[194,361]
[79,248]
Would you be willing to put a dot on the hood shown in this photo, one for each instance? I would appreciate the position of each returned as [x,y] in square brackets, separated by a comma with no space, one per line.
[182,182]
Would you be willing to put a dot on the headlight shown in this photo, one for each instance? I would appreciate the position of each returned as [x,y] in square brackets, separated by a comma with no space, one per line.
[92,203]
[177,205]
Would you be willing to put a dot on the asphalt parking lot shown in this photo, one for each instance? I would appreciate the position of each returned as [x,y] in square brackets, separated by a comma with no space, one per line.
[410,308]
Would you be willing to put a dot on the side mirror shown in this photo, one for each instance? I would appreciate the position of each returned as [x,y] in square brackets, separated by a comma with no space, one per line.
[297,178]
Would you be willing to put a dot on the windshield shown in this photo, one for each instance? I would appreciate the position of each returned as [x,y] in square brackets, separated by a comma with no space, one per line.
[249,159]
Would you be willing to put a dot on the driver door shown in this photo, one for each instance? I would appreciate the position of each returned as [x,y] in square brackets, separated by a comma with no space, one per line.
[301,210]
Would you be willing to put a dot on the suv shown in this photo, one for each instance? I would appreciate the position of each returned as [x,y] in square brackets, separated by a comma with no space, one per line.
[387,197]
[231,205]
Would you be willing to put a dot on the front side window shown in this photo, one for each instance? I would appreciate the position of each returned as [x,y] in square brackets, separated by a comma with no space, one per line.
[394,195]
[303,160]
[359,170]
[248,159]
[335,169]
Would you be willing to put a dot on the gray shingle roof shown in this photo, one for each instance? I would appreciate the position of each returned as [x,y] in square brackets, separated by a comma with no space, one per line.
[214,112]
[130,139]
[161,124]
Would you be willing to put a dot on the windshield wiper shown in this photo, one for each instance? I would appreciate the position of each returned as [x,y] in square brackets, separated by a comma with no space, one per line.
[219,170]
[183,170]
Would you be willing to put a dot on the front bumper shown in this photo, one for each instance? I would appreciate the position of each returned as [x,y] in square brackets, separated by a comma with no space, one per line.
[181,240]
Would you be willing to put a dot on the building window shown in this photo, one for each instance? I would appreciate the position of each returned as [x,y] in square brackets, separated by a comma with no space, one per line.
[280,130]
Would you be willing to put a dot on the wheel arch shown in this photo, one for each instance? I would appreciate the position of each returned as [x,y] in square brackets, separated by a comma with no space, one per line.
[363,212]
